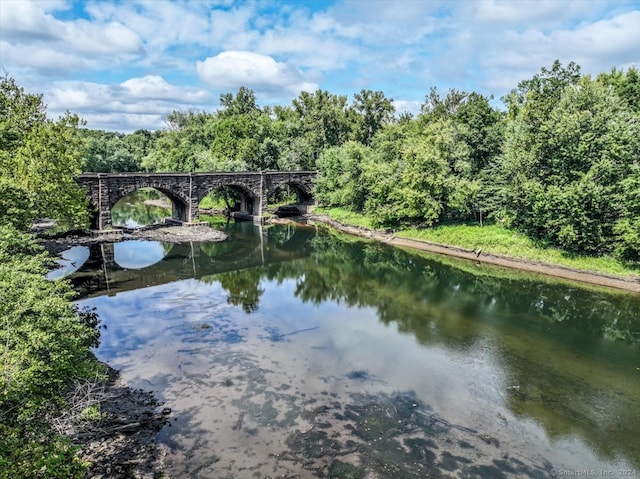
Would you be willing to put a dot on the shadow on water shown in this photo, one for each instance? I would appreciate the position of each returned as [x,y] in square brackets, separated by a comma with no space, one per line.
[545,366]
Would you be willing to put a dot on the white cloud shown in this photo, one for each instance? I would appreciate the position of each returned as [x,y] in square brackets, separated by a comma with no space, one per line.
[39,60]
[596,47]
[160,23]
[154,87]
[403,106]
[538,12]
[133,104]
[233,69]
[25,21]
[128,57]
[34,39]
[83,37]
[125,122]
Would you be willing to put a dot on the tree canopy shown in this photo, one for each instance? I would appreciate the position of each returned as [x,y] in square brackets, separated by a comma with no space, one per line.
[559,163]
[40,158]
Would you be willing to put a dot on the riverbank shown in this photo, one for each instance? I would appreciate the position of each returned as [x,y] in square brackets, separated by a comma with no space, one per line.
[590,277]
[121,440]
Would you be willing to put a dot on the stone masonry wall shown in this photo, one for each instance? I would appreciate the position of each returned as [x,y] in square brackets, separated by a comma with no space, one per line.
[186,190]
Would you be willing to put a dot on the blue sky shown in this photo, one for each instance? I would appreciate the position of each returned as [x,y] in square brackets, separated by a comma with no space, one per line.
[125,65]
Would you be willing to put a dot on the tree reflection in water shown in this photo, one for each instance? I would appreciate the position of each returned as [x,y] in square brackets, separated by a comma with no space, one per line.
[567,353]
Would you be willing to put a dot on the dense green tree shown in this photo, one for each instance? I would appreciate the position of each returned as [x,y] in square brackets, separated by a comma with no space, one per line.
[45,345]
[244,135]
[374,110]
[15,209]
[534,98]
[40,156]
[340,181]
[571,171]
[435,106]
[184,145]
[417,175]
[324,122]
[110,152]
[625,84]
[480,127]
[234,146]
[243,103]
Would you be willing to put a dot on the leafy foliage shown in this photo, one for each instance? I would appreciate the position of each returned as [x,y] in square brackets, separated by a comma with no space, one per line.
[15,210]
[47,164]
[340,180]
[572,174]
[45,343]
[41,156]
[106,152]
[374,111]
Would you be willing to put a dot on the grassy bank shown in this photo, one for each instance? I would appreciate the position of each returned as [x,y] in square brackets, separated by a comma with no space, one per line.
[495,239]
[346,217]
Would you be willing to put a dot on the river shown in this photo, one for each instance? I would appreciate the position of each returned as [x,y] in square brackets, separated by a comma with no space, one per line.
[298,352]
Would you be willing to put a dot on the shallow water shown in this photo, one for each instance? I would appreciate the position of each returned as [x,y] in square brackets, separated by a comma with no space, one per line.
[291,352]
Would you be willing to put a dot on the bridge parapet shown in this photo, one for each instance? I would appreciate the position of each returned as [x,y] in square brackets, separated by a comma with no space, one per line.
[186,190]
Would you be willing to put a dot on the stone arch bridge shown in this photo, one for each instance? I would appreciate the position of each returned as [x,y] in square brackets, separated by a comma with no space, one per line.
[186,190]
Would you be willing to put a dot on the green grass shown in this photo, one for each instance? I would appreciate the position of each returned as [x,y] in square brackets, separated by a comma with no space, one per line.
[346,217]
[497,240]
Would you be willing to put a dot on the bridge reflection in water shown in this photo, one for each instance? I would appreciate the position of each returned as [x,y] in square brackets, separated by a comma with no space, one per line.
[251,246]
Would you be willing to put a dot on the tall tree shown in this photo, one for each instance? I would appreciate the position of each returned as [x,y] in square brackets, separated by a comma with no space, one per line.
[570,160]
[626,85]
[535,98]
[374,111]
[243,103]
[243,134]
[184,145]
[41,156]
[324,121]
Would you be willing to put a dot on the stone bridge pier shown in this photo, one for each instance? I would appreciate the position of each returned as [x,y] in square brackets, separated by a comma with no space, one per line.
[186,190]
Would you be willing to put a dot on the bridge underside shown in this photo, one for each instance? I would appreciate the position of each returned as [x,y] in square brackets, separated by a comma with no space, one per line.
[186,190]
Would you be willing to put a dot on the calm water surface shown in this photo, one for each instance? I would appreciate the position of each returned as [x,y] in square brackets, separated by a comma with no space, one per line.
[293,352]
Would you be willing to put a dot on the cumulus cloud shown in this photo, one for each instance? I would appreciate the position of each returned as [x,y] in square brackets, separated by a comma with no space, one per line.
[34,39]
[403,106]
[154,87]
[596,47]
[127,58]
[26,21]
[133,104]
[233,69]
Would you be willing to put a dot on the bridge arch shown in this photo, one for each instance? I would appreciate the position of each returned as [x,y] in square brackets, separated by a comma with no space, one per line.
[302,191]
[249,200]
[179,204]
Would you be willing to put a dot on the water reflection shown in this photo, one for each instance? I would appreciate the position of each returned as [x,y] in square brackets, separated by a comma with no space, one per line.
[290,352]
[138,254]
[69,262]
[139,208]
